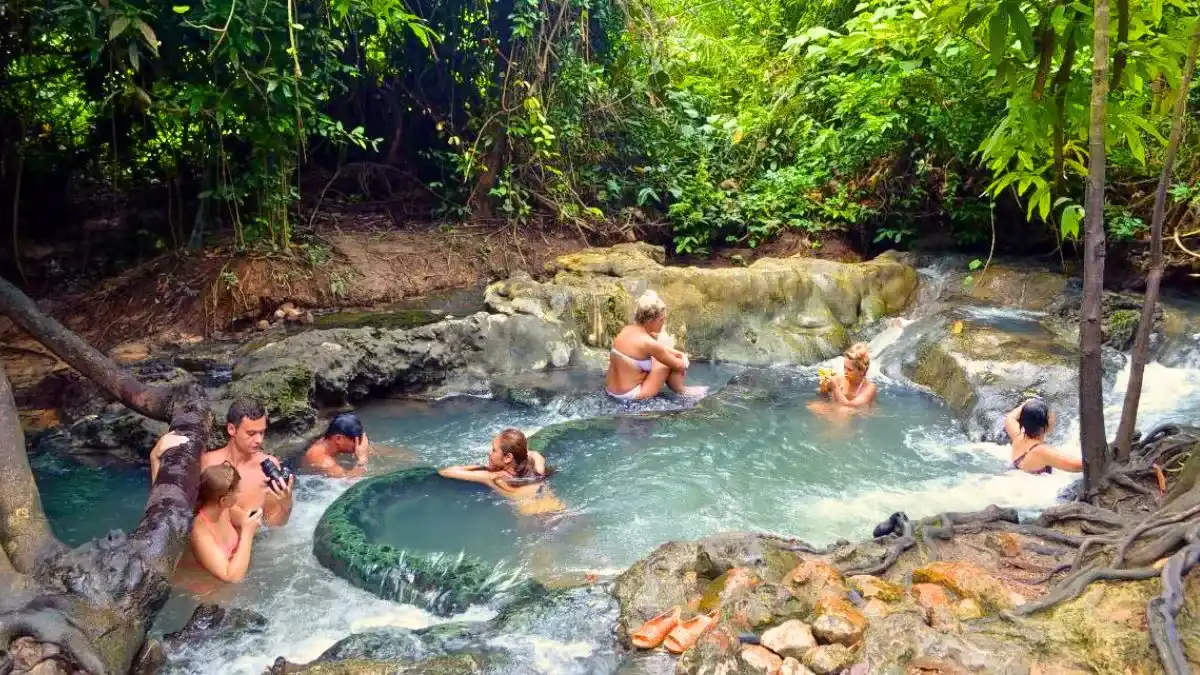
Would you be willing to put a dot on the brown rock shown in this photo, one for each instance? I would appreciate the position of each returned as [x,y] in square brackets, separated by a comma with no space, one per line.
[817,573]
[967,580]
[876,609]
[967,609]
[42,419]
[837,628]
[264,324]
[935,601]
[873,587]
[793,667]
[926,665]
[129,353]
[790,639]
[1005,543]
[828,659]
[761,660]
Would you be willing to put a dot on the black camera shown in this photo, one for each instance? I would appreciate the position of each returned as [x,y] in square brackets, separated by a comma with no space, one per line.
[275,473]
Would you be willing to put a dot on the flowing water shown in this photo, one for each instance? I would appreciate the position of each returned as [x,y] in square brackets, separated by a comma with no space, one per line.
[752,456]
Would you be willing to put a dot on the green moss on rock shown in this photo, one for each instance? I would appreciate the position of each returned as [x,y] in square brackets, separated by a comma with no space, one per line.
[442,583]
[395,319]
[285,392]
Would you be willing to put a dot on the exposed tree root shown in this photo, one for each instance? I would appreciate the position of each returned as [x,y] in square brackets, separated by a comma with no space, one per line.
[1081,511]
[1161,611]
[88,609]
[903,542]
[1072,587]
[1147,525]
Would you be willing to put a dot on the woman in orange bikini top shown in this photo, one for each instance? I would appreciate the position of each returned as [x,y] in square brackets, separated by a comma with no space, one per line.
[223,534]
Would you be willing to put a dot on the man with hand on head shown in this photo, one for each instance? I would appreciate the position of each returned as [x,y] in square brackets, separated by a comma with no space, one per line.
[344,435]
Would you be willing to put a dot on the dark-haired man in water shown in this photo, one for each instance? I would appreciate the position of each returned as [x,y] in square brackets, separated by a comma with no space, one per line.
[246,424]
[344,435]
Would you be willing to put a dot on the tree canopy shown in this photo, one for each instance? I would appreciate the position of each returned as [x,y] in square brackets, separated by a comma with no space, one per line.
[729,121]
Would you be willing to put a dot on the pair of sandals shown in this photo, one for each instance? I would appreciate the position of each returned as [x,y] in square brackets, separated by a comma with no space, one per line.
[668,630]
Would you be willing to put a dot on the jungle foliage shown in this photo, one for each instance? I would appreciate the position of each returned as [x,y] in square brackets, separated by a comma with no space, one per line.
[728,121]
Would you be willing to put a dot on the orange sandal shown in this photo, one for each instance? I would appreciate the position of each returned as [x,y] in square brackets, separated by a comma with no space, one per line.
[688,632]
[653,632]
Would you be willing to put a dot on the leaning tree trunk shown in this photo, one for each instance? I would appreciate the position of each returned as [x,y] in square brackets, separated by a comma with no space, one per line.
[1091,404]
[88,609]
[1141,343]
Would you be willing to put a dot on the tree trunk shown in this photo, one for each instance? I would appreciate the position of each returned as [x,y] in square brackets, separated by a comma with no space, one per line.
[1141,343]
[88,609]
[1091,405]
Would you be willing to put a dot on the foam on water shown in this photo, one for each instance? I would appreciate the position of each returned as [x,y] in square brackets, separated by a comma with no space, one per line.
[308,608]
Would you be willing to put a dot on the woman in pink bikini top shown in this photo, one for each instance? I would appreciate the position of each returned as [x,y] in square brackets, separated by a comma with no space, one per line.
[223,534]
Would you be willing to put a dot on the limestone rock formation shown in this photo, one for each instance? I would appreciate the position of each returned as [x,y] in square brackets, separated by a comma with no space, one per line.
[795,309]
[336,366]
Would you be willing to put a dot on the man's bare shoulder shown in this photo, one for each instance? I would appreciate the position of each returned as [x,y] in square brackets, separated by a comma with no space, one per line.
[214,457]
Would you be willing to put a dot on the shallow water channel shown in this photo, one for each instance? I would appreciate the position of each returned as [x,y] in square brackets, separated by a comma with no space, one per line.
[751,456]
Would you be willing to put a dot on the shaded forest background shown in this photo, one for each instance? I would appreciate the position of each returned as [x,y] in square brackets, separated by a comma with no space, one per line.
[135,129]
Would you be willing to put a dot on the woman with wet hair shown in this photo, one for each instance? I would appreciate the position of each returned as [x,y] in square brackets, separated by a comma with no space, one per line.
[851,388]
[1027,426]
[639,364]
[222,534]
[514,471]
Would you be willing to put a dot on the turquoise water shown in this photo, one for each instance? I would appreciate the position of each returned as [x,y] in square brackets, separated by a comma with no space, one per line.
[752,457]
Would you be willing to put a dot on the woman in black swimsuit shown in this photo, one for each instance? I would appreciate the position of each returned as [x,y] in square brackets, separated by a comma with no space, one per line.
[1027,426]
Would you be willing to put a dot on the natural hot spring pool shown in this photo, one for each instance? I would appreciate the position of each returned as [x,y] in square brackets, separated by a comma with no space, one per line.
[750,457]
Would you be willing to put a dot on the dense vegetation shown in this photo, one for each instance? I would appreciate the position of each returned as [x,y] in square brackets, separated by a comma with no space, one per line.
[729,121]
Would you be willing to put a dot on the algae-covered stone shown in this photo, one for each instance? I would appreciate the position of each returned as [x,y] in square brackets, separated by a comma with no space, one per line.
[791,666]
[892,643]
[458,664]
[968,581]
[342,365]
[717,651]
[829,659]
[874,587]
[983,366]
[442,583]
[793,309]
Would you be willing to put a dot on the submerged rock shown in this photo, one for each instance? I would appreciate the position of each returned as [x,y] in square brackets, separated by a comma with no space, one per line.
[794,309]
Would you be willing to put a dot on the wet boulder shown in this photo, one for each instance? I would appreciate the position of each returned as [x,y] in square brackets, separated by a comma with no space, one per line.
[983,363]
[742,573]
[332,367]
[792,309]
[894,644]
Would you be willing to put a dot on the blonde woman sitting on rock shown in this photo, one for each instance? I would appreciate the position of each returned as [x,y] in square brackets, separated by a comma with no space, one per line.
[639,364]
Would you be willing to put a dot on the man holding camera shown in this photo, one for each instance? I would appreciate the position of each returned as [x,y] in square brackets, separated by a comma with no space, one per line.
[264,485]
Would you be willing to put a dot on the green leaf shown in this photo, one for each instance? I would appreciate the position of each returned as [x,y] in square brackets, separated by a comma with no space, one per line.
[118,26]
[998,35]
[1071,218]
[1044,205]
[975,264]
[1020,26]
[134,57]
[180,9]
[1136,146]
[148,35]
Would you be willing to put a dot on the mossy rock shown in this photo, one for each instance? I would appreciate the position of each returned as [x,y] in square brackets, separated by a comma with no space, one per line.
[442,583]
[285,393]
[393,319]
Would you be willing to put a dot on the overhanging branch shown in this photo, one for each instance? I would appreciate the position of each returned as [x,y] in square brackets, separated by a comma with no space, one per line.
[153,402]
